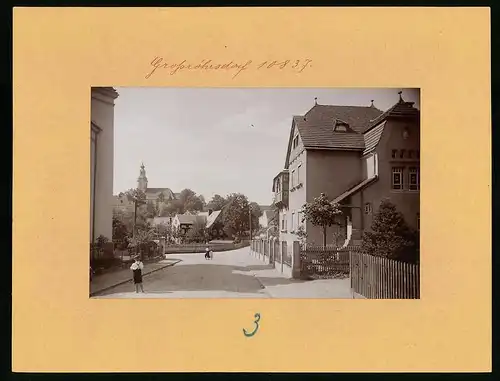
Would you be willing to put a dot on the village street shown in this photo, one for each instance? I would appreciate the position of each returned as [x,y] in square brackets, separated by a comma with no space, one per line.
[230,274]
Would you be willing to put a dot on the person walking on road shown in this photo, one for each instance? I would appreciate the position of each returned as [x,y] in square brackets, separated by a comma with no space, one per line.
[136,268]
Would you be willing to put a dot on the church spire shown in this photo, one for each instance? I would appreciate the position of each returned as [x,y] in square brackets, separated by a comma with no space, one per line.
[142,180]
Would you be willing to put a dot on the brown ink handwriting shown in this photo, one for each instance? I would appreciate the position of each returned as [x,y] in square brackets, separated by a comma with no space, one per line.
[234,67]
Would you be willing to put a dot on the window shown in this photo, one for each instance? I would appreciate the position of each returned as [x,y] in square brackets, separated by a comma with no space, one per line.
[368,208]
[299,219]
[402,153]
[298,173]
[296,141]
[410,154]
[414,179]
[341,128]
[397,178]
[283,222]
[293,221]
[394,153]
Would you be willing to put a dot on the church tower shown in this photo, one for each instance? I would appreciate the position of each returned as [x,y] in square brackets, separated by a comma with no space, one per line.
[142,180]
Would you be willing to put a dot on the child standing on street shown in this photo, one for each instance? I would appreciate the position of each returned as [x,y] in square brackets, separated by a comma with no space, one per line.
[136,268]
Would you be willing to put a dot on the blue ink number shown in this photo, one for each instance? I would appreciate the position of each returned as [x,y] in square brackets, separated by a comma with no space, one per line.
[256,322]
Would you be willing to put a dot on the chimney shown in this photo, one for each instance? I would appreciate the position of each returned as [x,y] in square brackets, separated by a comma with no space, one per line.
[372,105]
[401,97]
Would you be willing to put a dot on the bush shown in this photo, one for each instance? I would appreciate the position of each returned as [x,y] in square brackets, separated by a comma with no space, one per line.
[391,237]
[104,263]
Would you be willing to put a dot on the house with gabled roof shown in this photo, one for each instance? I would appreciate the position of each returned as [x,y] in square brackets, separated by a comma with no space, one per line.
[211,220]
[356,155]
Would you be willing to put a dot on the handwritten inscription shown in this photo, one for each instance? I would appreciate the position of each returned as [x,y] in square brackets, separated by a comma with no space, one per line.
[233,67]
[256,322]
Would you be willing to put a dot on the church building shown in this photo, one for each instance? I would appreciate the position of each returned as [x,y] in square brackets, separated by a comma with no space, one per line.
[156,195]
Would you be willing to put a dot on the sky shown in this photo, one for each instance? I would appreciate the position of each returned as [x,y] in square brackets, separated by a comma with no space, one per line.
[218,140]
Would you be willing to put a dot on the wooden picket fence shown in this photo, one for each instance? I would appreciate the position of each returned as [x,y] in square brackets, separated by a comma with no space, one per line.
[325,262]
[382,278]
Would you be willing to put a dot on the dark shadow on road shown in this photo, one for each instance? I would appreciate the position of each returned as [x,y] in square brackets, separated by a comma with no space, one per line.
[255,268]
[203,277]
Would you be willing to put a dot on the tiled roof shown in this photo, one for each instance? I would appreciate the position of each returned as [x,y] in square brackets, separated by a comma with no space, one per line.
[158,190]
[400,109]
[319,134]
[190,219]
[357,117]
[372,137]
[316,127]
[355,189]
[213,217]
[201,219]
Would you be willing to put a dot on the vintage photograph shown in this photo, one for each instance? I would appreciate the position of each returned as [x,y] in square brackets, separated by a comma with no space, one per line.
[254,193]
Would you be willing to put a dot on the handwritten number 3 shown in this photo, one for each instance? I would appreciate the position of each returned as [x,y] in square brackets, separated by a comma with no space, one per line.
[256,322]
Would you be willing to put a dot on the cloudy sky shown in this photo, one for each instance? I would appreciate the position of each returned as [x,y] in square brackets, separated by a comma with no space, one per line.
[218,140]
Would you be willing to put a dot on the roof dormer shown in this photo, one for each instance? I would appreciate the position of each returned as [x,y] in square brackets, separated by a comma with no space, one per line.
[340,126]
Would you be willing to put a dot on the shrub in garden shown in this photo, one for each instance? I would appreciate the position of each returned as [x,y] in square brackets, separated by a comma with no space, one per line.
[390,236]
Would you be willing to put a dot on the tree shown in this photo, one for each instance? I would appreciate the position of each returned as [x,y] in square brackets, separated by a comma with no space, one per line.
[190,201]
[321,212]
[135,194]
[126,217]
[120,231]
[236,215]
[202,200]
[161,197]
[301,234]
[144,241]
[150,209]
[217,202]
[256,214]
[390,236]
[166,230]
[140,213]
[216,231]
[171,208]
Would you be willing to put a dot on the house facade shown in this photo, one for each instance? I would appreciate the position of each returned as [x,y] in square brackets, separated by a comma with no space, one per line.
[357,156]
[210,220]
[101,161]
[266,218]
